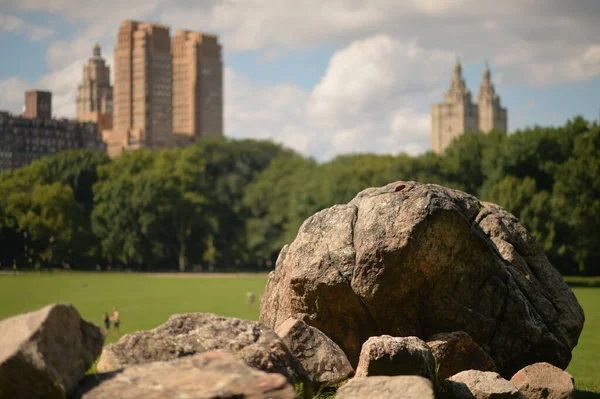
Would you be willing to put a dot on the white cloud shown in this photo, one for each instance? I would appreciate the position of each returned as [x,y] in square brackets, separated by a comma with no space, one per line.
[14,24]
[365,102]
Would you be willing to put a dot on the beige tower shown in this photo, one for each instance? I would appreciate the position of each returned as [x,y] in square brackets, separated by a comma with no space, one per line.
[491,115]
[143,86]
[455,116]
[197,86]
[95,94]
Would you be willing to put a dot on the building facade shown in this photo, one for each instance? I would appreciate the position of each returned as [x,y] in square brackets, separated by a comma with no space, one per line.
[23,140]
[491,114]
[458,114]
[38,104]
[142,106]
[197,85]
[95,94]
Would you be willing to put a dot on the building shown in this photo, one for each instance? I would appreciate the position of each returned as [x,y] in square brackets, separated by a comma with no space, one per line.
[38,104]
[197,85]
[23,140]
[95,94]
[142,106]
[458,114]
[491,114]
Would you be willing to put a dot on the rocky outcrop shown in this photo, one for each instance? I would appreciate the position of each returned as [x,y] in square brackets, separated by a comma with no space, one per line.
[324,361]
[475,384]
[405,387]
[411,259]
[211,375]
[544,381]
[191,333]
[44,354]
[455,352]
[385,355]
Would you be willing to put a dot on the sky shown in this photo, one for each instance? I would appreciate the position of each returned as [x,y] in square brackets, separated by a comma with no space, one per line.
[330,77]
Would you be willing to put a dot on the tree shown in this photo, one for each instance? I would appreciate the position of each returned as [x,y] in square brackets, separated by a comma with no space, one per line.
[576,201]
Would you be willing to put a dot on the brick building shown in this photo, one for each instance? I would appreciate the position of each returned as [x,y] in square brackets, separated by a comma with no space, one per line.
[38,104]
[23,139]
[197,85]
[166,93]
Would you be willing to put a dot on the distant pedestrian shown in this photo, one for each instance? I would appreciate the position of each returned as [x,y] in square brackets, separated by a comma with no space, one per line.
[116,319]
[106,320]
[249,297]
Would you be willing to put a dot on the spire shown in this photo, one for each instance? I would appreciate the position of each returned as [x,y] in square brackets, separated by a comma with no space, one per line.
[96,50]
[486,71]
[487,90]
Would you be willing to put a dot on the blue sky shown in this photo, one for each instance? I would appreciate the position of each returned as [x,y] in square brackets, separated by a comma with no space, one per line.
[336,76]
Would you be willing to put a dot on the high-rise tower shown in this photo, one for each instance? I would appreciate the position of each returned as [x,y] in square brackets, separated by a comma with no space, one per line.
[456,115]
[143,84]
[95,94]
[491,115]
[197,85]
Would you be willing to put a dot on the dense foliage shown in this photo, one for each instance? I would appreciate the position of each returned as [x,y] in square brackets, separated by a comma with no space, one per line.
[232,204]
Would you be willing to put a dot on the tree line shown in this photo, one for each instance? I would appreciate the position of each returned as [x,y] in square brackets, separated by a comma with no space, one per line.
[226,205]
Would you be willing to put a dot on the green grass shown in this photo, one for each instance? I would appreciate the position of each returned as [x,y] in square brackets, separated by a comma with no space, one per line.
[585,366]
[146,301]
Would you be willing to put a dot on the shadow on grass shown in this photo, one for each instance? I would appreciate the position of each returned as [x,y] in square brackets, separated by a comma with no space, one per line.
[579,394]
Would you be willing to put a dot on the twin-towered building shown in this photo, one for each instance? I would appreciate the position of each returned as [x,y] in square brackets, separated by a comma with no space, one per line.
[457,114]
[167,91]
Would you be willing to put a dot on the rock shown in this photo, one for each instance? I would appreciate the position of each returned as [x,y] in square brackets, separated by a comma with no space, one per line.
[544,381]
[455,352]
[191,333]
[405,387]
[385,355]
[411,259]
[475,384]
[324,361]
[44,354]
[215,374]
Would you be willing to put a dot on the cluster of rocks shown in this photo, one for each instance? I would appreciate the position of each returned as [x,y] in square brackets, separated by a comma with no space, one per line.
[408,291]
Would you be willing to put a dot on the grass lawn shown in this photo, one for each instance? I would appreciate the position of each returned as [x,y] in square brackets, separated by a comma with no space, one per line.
[146,301]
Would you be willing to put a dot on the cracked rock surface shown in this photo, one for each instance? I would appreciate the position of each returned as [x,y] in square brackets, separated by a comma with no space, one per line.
[210,375]
[191,333]
[411,259]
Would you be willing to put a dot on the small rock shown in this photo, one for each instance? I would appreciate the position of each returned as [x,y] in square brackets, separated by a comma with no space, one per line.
[191,333]
[324,361]
[210,375]
[475,384]
[386,355]
[405,387]
[544,381]
[455,352]
[44,354]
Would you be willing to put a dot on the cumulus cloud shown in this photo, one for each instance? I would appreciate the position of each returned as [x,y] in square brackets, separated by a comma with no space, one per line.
[367,101]
[14,24]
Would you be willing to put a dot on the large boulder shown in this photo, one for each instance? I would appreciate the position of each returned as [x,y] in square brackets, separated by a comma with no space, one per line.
[411,259]
[386,355]
[544,381]
[455,352]
[475,384]
[44,354]
[324,361]
[210,375]
[191,333]
[405,387]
